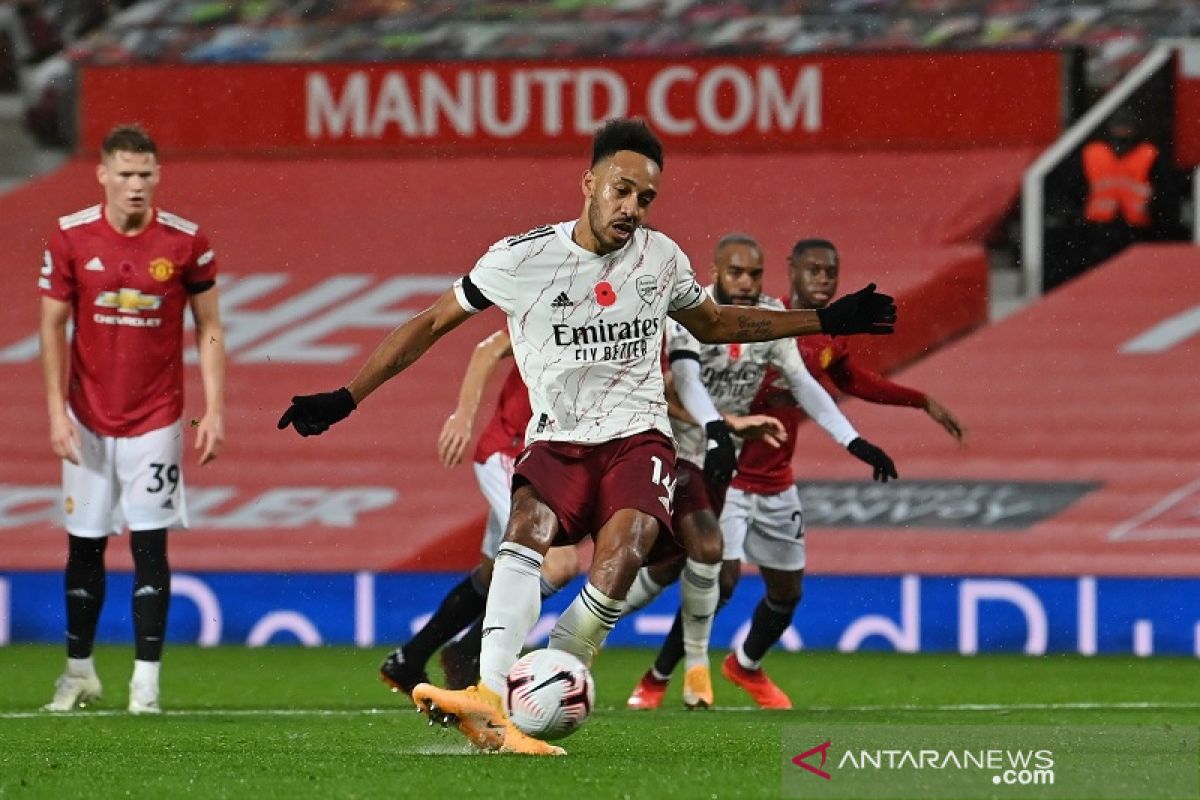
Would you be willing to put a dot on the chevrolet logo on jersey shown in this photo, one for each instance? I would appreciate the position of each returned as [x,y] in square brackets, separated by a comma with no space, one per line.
[129,301]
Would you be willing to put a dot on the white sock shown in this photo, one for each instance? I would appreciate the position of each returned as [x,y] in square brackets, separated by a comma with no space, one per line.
[81,667]
[513,605]
[643,591]
[700,595]
[582,628]
[145,673]
[745,660]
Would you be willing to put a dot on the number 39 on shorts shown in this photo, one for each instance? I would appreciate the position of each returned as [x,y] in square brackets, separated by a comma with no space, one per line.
[163,474]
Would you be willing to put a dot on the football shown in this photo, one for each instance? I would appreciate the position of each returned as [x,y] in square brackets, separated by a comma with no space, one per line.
[550,694]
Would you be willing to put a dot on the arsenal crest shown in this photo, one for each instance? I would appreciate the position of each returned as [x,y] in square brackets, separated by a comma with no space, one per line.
[647,287]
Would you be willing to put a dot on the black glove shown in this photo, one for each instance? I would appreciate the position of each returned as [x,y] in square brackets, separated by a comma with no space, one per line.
[720,457]
[865,311]
[312,414]
[863,450]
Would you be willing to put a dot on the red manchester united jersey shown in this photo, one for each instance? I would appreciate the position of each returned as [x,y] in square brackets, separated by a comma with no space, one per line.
[505,432]
[128,294]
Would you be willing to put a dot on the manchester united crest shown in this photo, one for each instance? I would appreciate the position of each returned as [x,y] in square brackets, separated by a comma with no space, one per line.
[161,269]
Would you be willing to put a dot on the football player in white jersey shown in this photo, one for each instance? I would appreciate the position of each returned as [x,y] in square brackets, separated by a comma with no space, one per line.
[587,302]
[714,381]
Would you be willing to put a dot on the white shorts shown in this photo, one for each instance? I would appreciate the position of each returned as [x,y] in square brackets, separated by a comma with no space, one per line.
[495,481]
[125,480]
[766,530]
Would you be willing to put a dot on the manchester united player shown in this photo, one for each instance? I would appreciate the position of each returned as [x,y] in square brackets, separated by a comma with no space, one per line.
[501,441]
[124,271]
[763,504]
[586,302]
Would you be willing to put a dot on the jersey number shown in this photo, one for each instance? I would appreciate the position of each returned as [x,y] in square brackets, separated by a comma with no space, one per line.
[164,474]
[798,518]
[661,478]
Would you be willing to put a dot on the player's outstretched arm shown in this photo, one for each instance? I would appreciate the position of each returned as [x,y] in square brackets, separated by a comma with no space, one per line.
[942,416]
[854,379]
[758,426]
[880,462]
[811,396]
[457,430]
[865,311]
[675,409]
[311,415]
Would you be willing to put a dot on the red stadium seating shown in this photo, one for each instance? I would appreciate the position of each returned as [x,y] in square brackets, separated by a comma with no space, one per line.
[1064,391]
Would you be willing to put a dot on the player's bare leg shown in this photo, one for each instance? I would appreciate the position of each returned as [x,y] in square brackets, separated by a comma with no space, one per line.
[621,546]
[771,618]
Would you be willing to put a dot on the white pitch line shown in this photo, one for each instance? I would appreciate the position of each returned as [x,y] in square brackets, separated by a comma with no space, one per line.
[366,712]
[210,712]
[1081,706]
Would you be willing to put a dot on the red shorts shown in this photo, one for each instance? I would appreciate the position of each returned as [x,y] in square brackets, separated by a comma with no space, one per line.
[584,485]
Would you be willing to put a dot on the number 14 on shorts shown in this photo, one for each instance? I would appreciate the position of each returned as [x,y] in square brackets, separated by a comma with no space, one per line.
[664,479]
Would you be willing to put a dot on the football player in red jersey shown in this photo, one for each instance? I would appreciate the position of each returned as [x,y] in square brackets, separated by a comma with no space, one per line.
[125,271]
[762,505]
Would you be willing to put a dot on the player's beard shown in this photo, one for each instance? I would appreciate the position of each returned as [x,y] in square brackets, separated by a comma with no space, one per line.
[723,297]
[599,228]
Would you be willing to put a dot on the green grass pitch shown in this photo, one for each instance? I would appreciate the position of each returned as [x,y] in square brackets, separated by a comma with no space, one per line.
[288,722]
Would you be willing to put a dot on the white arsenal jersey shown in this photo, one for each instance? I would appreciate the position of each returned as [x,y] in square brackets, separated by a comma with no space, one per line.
[733,373]
[586,329]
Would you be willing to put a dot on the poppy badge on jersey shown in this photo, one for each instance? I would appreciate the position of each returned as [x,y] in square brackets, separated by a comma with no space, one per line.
[605,295]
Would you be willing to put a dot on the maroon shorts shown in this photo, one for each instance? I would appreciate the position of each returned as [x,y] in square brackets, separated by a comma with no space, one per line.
[584,485]
[692,492]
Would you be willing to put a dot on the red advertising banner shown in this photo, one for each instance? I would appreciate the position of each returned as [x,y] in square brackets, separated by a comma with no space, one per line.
[889,101]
